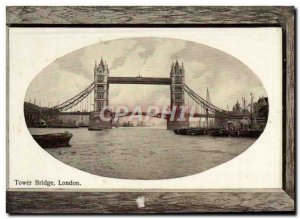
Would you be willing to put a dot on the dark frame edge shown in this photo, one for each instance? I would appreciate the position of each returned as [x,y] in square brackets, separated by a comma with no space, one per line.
[289,104]
[279,16]
[290,185]
[145,15]
[202,201]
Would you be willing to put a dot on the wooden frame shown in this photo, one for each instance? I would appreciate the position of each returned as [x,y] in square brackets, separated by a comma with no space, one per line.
[168,201]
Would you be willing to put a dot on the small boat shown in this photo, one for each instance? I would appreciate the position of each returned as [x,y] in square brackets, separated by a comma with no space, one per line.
[53,140]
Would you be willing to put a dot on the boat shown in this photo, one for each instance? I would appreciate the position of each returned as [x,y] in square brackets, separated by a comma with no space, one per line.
[190,131]
[195,131]
[53,140]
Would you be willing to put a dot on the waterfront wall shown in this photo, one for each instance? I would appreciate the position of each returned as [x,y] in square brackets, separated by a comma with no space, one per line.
[82,120]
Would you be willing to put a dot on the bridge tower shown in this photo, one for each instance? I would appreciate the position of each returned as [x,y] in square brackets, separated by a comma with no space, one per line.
[177,76]
[101,91]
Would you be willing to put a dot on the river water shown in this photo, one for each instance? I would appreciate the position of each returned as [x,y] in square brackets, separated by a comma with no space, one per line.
[144,152]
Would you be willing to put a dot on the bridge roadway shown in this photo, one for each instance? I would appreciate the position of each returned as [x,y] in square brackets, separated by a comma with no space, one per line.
[196,115]
[139,80]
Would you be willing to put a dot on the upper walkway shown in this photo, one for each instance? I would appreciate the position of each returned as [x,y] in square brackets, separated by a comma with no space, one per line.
[139,80]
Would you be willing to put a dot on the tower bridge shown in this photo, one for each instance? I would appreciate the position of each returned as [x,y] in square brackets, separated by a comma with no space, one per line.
[178,89]
[139,80]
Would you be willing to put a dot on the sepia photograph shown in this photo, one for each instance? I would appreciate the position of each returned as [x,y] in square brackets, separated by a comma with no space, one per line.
[146,108]
[121,117]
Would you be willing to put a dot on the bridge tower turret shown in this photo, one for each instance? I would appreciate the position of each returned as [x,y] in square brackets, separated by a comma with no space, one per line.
[101,73]
[101,91]
[177,76]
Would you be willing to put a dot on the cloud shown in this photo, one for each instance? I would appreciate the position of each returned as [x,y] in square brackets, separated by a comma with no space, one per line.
[149,46]
[118,62]
[226,77]
[54,88]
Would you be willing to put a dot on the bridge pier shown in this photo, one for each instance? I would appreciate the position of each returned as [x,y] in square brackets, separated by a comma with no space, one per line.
[177,123]
[220,121]
[97,124]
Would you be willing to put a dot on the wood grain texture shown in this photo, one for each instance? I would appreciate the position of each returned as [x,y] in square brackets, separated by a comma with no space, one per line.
[155,202]
[169,202]
[289,168]
[146,15]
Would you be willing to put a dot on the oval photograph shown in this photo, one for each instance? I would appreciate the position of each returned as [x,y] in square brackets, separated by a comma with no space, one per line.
[146,108]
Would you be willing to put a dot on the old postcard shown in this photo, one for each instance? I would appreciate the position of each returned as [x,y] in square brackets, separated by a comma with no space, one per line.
[150,109]
[95,106]
[144,108]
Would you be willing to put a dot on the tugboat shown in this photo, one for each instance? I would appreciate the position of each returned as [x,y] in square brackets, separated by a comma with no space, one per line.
[54,140]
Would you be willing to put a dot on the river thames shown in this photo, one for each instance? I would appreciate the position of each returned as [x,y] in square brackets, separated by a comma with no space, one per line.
[144,152]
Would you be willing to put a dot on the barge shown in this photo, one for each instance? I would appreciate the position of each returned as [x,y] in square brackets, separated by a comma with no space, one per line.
[218,132]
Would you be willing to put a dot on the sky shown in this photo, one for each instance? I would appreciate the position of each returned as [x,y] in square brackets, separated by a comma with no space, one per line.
[226,78]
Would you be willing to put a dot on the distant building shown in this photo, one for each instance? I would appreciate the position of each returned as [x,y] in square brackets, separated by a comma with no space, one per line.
[261,107]
[237,108]
[34,114]
[261,112]
[257,120]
